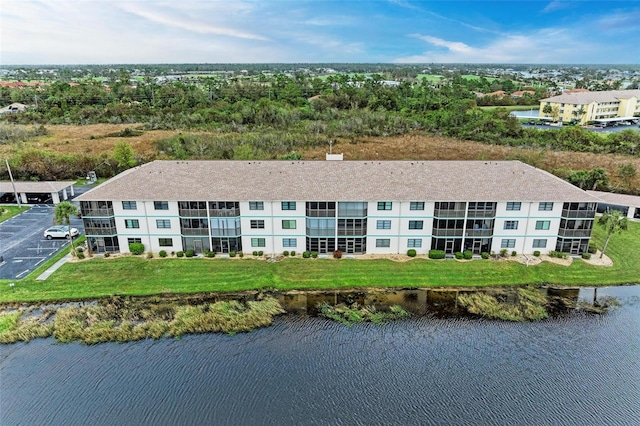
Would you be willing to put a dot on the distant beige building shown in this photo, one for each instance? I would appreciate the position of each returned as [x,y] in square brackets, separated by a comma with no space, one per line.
[585,107]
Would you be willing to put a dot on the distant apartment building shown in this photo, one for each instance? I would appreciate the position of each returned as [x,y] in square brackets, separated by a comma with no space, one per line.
[358,207]
[586,107]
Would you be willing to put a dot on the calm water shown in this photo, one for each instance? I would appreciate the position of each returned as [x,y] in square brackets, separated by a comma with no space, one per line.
[579,370]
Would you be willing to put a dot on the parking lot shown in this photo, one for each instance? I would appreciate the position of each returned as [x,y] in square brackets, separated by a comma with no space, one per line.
[23,247]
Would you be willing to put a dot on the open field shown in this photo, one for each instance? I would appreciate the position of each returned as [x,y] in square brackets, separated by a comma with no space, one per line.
[93,139]
[139,276]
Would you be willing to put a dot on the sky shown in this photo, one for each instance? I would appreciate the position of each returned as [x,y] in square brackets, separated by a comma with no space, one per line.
[318,31]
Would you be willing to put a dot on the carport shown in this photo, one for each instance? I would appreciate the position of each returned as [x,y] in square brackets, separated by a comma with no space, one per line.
[36,192]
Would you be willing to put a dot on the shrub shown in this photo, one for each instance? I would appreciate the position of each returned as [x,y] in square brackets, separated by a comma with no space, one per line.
[209,253]
[162,253]
[468,254]
[586,256]
[107,254]
[80,255]
[411,253]
[180,254]
[536,253]
[293,253]
[306,254]
[337,254]
[149,255]
[136,248]
[558,254]
[592,248]
[189,253]
[458,255]
[503,253]
[285,253]
[241,255]
[314,254]
[260,253]
[437,254]
[484,255]
[513,253]
[79,250]
[255,253]
[173,253]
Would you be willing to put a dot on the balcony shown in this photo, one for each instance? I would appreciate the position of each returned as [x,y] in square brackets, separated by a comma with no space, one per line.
[320,213]
[194,231]
[192,212]
[225,213]
[97,212]
[447,232]
[353,232]
[578,214]
[448,213]
[481,213]
[479,232]
[100,231]
[575,233]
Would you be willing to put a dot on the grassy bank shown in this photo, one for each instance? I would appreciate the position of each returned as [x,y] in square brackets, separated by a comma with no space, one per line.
[138,276]
[7,212]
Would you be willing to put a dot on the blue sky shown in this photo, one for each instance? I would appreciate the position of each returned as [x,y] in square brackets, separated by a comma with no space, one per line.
[250,31]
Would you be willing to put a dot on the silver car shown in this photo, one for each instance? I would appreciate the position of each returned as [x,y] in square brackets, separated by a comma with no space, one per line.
[60,232]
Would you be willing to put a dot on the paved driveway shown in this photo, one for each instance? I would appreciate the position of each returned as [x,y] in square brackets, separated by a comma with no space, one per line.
[22,246]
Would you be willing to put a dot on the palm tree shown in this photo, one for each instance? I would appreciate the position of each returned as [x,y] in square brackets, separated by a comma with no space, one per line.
[62,215]
[613,222]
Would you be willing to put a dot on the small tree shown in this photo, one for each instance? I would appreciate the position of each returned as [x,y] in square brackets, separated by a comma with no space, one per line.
[62,215]
[613,222]
[547,110]
[124,155]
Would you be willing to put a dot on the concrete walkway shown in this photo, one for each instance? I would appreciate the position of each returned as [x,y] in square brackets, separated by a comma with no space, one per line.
[53,268]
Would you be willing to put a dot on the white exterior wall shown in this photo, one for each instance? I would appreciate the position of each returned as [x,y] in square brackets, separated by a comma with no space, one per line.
[148,230]
[407,215]
[374,234]
[527,217]
[273,232]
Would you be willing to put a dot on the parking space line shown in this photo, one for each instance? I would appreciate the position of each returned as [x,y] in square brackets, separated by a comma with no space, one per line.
[40,261]
[27,258]
[22,273]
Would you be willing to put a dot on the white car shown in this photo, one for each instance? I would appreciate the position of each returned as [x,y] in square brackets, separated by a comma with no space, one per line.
[60,232]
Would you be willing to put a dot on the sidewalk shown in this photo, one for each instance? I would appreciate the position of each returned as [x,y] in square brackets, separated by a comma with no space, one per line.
[53,268]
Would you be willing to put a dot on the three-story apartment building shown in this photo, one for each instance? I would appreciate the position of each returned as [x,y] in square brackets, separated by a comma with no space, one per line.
[358,207]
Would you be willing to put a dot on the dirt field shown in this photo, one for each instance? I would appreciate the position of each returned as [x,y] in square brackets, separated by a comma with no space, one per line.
[93,139]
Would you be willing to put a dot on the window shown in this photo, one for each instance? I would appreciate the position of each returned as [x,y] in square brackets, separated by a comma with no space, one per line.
[131,223]
[134,240]
[163,223]
[257,242]
[545,206]
[414,243]
[288,224]
[165,242]
[384,205]
[383,242]
[543,224]
[129,205]
[510,224]
[540,243]
[415,224]
[416,205]
[289,242]
[288,205]
[161,205]
[514,205]
[256,205]
[508,243]
[257,224]
[383,224]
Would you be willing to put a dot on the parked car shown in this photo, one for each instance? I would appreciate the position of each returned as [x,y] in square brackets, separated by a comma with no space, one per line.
[60,232]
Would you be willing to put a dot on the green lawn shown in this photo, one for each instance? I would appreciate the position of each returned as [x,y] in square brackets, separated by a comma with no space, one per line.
[139,276]
[7,212]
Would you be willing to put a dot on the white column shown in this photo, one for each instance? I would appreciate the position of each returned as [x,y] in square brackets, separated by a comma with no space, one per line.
[64,194]
[23,197]
[56,197]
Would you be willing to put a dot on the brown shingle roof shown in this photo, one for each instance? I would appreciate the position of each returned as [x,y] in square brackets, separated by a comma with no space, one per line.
[337,181]
[584,98]
[618,199]
[46,186]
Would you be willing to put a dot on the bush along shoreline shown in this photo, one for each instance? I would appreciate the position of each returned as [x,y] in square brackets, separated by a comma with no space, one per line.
[123,319]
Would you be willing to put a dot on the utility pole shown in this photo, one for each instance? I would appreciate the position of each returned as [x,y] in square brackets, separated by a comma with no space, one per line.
[15,193]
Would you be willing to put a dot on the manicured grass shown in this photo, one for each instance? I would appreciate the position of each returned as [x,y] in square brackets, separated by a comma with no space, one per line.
[7,212]
[140,276]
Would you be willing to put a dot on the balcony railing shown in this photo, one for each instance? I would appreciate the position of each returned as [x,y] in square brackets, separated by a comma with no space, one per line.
[192,212]
[575,233]
[481,213]
[321,213]
[195,231]
[352,232]
[98,212]
[447,232]
[100,231]
[480,232]
[449,213]
[578,214]
[225,213]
